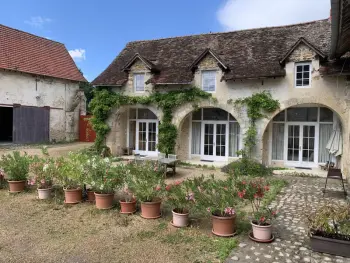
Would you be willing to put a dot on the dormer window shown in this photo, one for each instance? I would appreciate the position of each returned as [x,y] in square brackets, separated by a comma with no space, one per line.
[139,82]
[302,74]
[209,80]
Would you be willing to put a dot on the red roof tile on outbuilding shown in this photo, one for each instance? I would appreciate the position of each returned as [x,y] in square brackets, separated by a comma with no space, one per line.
[24,52]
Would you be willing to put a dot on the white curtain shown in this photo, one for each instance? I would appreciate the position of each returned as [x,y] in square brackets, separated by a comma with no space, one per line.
[277,141]
[234,137]
[325,134]
[335,143]
[196,138]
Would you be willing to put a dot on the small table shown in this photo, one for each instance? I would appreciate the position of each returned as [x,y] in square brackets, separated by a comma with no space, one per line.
[168,163]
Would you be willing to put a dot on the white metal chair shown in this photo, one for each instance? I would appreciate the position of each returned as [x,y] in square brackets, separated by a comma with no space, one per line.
[161,156]
[172,165]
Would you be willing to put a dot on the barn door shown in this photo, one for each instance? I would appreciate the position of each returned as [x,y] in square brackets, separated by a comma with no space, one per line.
[31,124]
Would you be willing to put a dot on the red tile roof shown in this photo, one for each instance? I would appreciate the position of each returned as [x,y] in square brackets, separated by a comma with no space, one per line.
[24,52]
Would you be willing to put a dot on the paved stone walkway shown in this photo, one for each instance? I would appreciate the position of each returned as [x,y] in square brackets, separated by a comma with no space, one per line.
[292,243]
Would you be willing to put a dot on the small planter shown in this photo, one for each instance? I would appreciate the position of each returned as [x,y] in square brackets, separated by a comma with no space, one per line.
[263,233]
[90,196]
[180,218]
[330,246]
[104,201]
[44,193]
[127,207]
[72,196]
[16,186]
[151,210]
[224,226]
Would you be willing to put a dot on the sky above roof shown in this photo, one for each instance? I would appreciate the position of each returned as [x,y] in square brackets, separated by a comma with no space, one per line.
[95,32]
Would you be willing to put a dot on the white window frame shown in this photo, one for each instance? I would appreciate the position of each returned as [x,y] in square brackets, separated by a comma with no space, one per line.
[204,72]
[135,82]
[295,74]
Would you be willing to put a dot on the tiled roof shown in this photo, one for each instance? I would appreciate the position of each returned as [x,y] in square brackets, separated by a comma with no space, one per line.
[24,52]
[250,53]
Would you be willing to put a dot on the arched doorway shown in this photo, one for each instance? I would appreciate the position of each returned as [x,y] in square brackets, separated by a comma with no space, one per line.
[298,136]
[214,135]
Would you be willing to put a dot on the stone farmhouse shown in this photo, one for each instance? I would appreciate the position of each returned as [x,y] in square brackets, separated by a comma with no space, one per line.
[40,100]
[304,66]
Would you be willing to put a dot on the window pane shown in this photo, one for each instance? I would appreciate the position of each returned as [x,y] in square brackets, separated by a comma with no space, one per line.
[132,114]
[146,114]
[280,116]
[325,133]
[305,75]
[197,115]
[234,137]
[326,115]
[299,75]
[209,80]
[306,67]
[278,141]
[306,82]
[231,118]
[299,82]
[215,114]
[302,114]
[139,82]
[299,68]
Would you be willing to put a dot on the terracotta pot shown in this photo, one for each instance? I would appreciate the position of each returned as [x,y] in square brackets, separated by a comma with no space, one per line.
[180,219]
[72,196]
[151,210]
[90,196]
[104,201]
[16,186]
[44,193]
[224,226]
[127,207]
[262,232]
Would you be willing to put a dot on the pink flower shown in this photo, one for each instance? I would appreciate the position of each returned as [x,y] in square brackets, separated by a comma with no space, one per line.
[42,181]
[158,188]
[190,197]
[178,182]
[208,209]
[155,169]
[229,211]
[168,187]
[226,188]
[262,219]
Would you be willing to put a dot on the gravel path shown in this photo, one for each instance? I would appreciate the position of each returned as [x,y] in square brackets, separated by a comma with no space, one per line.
[292,243]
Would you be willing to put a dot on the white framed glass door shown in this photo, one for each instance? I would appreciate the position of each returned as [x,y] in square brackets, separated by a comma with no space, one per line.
[214,141]
[301,145]
[146,137]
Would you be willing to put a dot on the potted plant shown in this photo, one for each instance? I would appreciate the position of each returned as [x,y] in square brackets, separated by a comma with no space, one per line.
[180,198]
[105,179]
[70,175]
[43,170]
[217,197]
[329,229]
[16,170]
[147,184]
[128,202]
[254,191]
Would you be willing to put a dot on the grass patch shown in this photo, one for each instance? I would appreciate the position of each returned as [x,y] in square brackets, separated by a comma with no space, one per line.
[204,166]
[145,234]
[276,186]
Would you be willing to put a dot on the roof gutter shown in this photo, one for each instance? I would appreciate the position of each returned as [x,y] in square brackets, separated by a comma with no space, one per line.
[335,18]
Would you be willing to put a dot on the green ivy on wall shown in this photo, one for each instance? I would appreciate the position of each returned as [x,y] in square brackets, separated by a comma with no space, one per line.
[256,104]
[105,100]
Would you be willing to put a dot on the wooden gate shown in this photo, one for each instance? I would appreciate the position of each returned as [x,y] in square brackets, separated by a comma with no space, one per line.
[31,124]
[86,133]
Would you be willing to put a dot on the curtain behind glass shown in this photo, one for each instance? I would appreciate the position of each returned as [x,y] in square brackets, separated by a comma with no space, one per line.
[234,132]
[325,133]
[196,138]
[277,141]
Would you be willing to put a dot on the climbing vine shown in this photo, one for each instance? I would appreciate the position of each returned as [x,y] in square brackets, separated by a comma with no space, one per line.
[257,104]
[105,100]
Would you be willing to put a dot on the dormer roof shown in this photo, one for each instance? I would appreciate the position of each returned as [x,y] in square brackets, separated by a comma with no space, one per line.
[136,57]
[210,52]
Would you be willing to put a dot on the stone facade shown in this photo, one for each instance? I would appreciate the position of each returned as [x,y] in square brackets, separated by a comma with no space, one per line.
[63,97]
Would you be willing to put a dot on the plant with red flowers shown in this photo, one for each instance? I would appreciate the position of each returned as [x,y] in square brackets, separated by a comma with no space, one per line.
[145,181]
[43,171]
[179,196]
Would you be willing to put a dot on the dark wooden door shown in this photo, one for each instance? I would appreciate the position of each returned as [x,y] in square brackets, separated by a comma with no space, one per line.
[31,124]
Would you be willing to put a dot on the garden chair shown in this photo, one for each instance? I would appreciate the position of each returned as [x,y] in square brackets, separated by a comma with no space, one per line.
[334,173]
[172,165]
[137,158]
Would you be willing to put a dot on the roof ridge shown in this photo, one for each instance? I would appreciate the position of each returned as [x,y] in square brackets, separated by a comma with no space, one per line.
[21,31]
[228,32]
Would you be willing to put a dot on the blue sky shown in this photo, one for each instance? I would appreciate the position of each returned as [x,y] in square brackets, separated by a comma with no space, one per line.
[96,31]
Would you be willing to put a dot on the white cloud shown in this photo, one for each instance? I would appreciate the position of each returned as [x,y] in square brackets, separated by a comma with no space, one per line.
[38,21]
[77,54]
[243,14]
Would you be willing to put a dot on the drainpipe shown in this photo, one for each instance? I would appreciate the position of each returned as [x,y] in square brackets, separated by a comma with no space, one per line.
[335,20]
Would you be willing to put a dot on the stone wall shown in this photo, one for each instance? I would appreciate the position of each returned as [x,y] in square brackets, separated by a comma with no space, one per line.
[302,53]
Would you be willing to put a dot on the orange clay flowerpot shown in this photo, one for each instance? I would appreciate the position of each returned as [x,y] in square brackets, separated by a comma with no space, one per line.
[127,207]
[16,186]
[104,201]
[151,210]
[90,196]
[262,232]
[224,226]
[72,196]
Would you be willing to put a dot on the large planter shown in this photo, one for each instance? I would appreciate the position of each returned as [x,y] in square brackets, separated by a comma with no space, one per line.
[151,210]
[16,186]
[44,193]
[90,196]
[224,226]
[127,207]
[180,219]
[104,201]
[262,233]
[330,246]
[73,196]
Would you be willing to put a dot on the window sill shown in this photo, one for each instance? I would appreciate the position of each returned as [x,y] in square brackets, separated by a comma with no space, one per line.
[303,87]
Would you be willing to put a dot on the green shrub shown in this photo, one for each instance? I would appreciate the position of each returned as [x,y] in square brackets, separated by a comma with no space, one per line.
[247,167]
[15,166]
